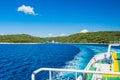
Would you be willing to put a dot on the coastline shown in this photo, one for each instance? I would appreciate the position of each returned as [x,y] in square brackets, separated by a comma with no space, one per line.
[20,43]
[86,43]
[52,43]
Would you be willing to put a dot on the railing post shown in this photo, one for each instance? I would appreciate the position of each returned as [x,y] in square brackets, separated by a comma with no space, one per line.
[50,75]
[33,76]
[75,75]
[68,78]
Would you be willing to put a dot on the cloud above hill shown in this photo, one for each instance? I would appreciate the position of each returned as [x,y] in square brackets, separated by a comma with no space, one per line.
[63,34]
[50,35]
[27,10]
[84,31]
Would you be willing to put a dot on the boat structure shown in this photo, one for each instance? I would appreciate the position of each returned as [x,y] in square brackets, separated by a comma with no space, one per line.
[107,63]
[103,66]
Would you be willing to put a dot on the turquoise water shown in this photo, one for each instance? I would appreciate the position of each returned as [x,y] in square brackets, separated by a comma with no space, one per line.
[18,61]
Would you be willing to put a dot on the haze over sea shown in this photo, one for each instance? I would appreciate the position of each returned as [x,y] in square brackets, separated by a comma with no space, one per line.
[18,61]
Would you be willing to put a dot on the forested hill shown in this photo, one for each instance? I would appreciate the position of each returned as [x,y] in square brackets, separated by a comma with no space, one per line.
[19,38]
[95,37]
[91,37]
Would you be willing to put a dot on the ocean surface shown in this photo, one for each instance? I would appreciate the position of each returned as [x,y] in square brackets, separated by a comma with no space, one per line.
[18,61]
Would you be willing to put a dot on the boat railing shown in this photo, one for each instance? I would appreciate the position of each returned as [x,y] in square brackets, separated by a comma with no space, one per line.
[50,70]
[94,59]
[90,63]
[115,42]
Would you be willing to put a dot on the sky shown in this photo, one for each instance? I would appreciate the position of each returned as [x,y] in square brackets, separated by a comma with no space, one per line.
[46,18]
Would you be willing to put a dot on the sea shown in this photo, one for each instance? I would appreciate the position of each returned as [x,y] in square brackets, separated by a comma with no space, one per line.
[18,61]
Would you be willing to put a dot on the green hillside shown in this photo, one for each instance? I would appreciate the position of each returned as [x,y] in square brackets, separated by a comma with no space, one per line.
[20,38]
[95,37]
[91,37]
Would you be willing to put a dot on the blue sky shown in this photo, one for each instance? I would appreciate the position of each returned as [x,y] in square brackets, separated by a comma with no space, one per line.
[58,17]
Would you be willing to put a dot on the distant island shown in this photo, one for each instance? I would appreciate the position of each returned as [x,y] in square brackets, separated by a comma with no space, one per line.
[90,37]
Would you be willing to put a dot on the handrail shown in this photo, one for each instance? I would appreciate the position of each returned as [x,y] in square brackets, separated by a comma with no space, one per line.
[69,70]
[114,42]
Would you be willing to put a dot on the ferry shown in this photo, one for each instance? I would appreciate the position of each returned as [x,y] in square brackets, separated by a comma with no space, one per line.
[103,66]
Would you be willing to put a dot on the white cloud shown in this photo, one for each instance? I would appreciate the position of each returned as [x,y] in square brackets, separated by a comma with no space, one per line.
[62,34]
[53,35]
[26,10]
[50,35]
[84,31]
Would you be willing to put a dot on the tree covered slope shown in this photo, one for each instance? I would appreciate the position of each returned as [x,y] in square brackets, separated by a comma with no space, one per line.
[91,37]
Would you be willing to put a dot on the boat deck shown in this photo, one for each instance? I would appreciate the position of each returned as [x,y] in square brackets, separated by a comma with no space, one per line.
[116,57]
[100,65]
[90,75]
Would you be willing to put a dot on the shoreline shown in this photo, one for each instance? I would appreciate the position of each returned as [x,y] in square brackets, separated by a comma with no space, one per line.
[88,43]
[20,43]
[48,43]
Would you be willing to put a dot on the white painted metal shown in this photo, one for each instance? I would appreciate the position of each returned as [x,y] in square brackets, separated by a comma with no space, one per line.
[75,75]
[109,47]
[70,70]
[50,75]
[33,77]
[116,43]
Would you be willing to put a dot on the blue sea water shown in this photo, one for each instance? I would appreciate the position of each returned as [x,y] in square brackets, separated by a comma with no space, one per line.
[18,61]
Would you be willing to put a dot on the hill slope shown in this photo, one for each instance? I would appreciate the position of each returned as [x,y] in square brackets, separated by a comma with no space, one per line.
[91,37]
[20,38]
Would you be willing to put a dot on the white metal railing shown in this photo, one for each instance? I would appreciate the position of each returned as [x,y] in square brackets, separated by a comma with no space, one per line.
[68,70]
[94,59]
[90,63]
[114,42]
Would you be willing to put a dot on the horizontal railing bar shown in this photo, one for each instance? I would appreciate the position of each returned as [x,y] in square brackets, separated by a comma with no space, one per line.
[73,70]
